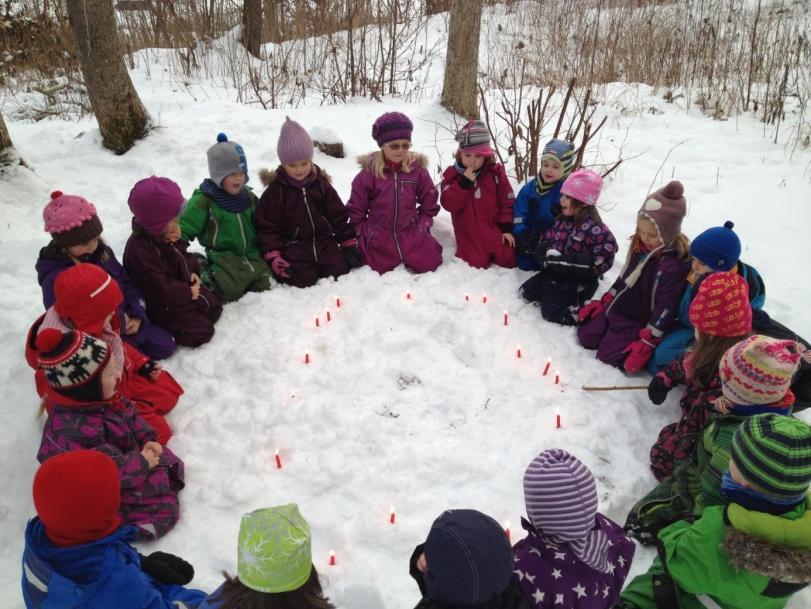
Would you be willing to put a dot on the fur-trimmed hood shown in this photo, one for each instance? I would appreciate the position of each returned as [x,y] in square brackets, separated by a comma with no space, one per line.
[267,176]
[758,555]
[365,161]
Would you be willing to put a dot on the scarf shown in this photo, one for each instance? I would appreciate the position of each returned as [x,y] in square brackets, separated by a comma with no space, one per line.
[755,500]
[234,204]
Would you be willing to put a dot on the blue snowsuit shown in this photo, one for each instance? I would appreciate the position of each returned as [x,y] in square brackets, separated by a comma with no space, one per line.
[533,212]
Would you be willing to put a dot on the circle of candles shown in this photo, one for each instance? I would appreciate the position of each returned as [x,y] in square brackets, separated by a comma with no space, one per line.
[518,351]
[506,318]
[332,558]
[546,367]
[391,515]
[278,460]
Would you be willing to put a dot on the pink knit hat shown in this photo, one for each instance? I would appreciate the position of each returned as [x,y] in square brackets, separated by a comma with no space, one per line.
[71,219]
[583,185]
[294,143]
[759,369]
[474,138]
[155,202]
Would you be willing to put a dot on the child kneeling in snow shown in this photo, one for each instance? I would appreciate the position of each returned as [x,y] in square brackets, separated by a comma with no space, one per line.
[572,556]
[755,552]
[78,552]
[477,193]
[275,565]
[302,225]
[89,414]
[573,253]
[220,215]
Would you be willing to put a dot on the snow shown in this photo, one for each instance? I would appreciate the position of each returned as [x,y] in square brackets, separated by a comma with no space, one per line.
[417,403]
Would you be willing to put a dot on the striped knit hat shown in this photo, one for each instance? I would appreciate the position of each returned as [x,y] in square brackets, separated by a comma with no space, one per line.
[721,306]
[561,501]
[563,153]
[773,453]
[759,369]
[474,138]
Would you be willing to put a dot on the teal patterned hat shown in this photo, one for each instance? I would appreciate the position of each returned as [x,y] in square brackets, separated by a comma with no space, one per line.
[274,549]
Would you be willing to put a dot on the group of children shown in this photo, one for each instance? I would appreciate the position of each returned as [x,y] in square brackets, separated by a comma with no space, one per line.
[733,472]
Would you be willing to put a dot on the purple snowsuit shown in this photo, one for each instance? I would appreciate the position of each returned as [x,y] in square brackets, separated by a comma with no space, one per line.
[393,216]
[162,271]
[150,339]
[148,496]
[652,302]
[550,576]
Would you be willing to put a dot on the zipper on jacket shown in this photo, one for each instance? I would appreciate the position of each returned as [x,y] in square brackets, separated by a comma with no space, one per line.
[309,213]
[396,206]
[183,260]
[244,243]
[216,229]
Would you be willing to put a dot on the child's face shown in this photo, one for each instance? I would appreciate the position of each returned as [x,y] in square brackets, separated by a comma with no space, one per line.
[232,184]
[472,161]
[647,233]
[171,233]
[699,268]
[736,475]
[568,206]
[396,150]
[109,380]
[83,249]
[298,170]
[550,171]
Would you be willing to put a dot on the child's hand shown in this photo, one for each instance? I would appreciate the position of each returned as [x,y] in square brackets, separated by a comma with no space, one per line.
[508,239]
[152,459]
[155,447]
[722,405]
[131,325]
[156,372]
[470,174]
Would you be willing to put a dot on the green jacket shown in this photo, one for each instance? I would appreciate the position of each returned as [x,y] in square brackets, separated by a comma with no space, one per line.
[218,230]
[712,455]
[740,562]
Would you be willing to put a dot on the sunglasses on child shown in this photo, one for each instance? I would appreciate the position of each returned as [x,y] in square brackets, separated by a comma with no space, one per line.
[396,146]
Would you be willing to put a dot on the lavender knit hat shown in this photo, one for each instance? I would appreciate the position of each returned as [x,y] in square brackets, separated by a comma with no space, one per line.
[392,126]
[561,501]
[294,143]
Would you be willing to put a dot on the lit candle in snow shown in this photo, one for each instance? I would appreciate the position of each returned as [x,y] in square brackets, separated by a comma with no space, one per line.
[332,558]
[391,515]
[278,460]
[506,318]
[548,364]
[518,351]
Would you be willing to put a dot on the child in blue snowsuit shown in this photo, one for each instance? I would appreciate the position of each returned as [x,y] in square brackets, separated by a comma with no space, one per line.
[538,201]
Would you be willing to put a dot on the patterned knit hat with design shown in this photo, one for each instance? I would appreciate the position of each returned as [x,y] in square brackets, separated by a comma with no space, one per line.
[77,495]
[773,452]
[759,369]
[71,220]
[225,158]
[474,138]
[721,307]
[562,152]
[86,295]
[666,208]
[72,363]
[294,144]
[718,247]
[275,552]
[561,501]
[583,185]
[392,126]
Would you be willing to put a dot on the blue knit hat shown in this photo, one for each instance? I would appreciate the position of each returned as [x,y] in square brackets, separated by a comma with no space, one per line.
[718,247]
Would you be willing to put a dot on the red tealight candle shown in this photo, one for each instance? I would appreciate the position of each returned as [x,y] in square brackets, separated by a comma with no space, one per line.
[391,515]
[278,460]
[329,315]
[338,302]
[518,351]
[557,378]
[546,368]
[506,319]
[484,298]
[306,357]
[317,322]
[557,421]
[332,558]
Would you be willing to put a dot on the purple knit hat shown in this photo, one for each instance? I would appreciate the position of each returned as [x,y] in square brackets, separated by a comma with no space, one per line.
[561,501]
[294,143]
[71,220]
[392,126]
[155,202]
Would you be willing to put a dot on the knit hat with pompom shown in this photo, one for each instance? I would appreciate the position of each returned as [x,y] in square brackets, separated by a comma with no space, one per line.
[666,208]
[71,220]
[72,363]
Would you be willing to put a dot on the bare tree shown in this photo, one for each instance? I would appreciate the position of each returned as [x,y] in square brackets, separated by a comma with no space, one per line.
[273,19]
[434,7]
[7,153]
[121,116]
[252,26]
[462,60]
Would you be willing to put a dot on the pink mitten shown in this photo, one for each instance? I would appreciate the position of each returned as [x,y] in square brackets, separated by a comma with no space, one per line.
[589,310]
[278,264]
[640,351]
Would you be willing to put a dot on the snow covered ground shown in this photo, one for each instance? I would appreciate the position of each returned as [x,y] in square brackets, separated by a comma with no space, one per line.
[417,403]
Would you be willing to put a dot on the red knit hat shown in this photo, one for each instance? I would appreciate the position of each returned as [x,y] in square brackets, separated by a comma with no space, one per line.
[721,307]
[86,295]
[77,495]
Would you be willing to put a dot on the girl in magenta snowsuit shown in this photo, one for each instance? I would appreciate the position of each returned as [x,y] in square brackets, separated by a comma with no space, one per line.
[629,320]
[394,201]
[88,413]
[478,194]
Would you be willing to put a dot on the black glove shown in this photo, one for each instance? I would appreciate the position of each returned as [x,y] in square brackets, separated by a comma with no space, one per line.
[526,242]
[540,252]
[571,266]
[148,368]
[658,390]
[352,256]
[167,568]
[464,181]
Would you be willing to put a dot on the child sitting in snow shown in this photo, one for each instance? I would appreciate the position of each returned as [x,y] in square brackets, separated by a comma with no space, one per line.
[538,202]
[477,193]
[394,201]
[275,565]
[302,225]
[76,237]
[722,318]
[88,413]
[220,215]
[716,249]
[157,260]
[87,299]
[754,552]
[627,322]
[755,377]
[465,563]
[573,253]
[79,554]
[572,556]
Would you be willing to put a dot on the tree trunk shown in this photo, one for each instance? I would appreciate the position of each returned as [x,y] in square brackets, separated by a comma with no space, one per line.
[121,116]
[273,14]
[7,153]
[252,26]
[434,7]
[462,59]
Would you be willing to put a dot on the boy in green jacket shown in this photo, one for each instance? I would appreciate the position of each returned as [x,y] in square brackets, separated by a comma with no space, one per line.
[752,554]
[220,216]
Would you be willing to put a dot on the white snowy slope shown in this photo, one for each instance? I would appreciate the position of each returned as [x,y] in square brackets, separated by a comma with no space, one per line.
[420,403]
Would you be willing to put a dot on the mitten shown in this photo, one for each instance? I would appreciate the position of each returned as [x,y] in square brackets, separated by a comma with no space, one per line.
[148,368]
[352,255]
[640,351]
[526,242]
[593,308]
[658,389]
[577,266]
[167,568]
[542,252]
[278,264]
